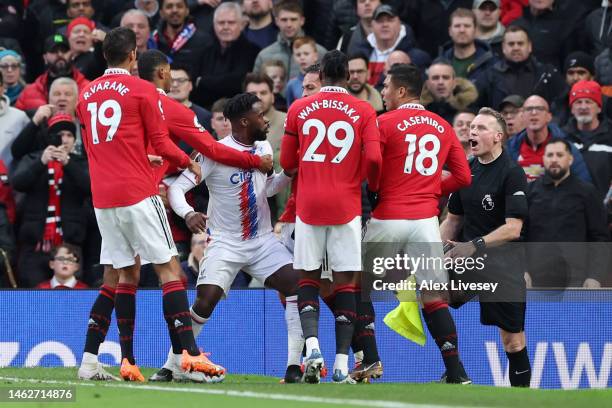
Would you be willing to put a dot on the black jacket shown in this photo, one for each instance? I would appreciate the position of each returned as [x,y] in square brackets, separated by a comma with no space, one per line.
[222,71]
[91,64]
[597,153]
[31,178]
[190,55]
[532,77]
[483,60]
[31,138]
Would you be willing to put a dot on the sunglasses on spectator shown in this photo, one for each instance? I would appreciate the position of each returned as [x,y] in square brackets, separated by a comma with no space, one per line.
[64,259]
[9,66]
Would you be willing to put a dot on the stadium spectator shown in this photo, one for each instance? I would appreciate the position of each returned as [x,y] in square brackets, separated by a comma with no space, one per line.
[80,8]
[598,26]
[358,82]
[262,86]
[83,37]
[62,98]
[181,87]
[446,94]
[389,34]
[261,29]
[578,66]
[57,60]
[424,15]
[65,264]
[519,72]
[461,125]
[178,37]
[220,125]
[228,56]
[511,108]
[11,69]
[591,133]
[191,266]
[564,209]
[56,183]
[275,69]
[488,27]
[289,17]
[511,10]
[148,8]
[471,58]
[11,16]
[541,19]
[527,147]
[312,80]
[305,54]
[484,225]
[355,35]
[137,21]
[12,122]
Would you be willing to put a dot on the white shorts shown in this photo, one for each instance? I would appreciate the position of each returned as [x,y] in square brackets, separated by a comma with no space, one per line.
[342,243]
[416,238]
[141,228]
[106,260]
[287,238]
[259,257]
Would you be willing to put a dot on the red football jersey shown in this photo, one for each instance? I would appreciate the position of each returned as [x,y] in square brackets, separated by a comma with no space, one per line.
[120,116]
[337,137]
[415,145]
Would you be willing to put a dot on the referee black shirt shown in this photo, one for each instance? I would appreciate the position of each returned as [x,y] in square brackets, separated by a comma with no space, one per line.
[498,191]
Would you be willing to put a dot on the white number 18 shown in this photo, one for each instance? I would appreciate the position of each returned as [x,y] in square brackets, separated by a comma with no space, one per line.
[423,153]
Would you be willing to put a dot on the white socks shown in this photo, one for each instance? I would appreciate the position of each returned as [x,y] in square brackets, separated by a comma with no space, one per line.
[341,363]
[89,359]
[295,338]
[311,344]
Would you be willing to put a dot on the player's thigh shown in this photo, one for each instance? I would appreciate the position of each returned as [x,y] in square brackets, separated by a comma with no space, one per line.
[216,267]
[344,246]
[272,264]
[424,243]
[116,248]
[147,228]
[310,241]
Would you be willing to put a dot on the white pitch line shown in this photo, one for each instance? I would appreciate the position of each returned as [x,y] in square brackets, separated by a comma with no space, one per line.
[243,394]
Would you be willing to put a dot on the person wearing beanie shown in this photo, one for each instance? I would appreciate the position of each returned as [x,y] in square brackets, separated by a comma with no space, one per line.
[56,184]
[11,65]
[86,47]
[577,66]
[591,133]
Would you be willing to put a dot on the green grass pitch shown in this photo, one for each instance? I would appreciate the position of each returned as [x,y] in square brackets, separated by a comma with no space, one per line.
[251,391]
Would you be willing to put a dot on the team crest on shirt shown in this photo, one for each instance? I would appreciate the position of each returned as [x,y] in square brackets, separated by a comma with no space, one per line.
[487,202]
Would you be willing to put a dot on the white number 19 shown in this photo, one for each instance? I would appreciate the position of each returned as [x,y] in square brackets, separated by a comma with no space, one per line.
[99,115]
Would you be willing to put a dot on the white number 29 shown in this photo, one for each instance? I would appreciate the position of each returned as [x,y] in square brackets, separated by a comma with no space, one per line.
[424,152]
[99,115]
[344,144]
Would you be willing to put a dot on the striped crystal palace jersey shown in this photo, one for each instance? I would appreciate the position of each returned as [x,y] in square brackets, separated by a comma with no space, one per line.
[238,206]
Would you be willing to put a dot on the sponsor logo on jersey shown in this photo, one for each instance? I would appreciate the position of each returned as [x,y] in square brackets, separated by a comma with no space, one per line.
[241,176]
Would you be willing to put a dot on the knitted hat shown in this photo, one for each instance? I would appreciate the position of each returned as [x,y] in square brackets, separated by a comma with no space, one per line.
[579,59]
[80,21]
[61,121]
[585,89]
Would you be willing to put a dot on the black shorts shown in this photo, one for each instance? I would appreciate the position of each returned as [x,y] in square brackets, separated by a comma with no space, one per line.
[508,316]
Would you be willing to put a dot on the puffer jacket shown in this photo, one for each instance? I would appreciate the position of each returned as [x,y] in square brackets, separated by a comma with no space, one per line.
[463,98]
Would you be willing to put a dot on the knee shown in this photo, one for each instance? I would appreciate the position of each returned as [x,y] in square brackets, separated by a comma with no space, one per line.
[110,277]
[513,342]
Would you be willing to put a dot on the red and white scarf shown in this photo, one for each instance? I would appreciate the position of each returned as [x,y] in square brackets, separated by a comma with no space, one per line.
[52,235]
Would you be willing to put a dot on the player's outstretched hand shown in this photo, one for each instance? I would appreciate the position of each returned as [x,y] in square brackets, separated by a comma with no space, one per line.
[155,161]
[266,164]
[195,168]
[196,222]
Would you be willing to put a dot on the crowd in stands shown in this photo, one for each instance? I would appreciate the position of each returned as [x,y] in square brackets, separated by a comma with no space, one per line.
[546,65]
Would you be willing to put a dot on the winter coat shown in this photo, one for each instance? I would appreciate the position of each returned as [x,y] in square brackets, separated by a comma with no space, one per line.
[12,122]
[37,94]
[598,26]
[463,97]
[579,167]
[603,68]
[483,60]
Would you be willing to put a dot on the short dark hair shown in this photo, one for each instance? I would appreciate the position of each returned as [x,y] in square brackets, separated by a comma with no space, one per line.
[515,29]
[334,65]
[148,62]
[408,76]
[118,44]
[71,249]
[161,3]
[177,66]
[567,144]
[288,5]
[239,105]
[257,78]
[359,55]
[313,69]
[219,105]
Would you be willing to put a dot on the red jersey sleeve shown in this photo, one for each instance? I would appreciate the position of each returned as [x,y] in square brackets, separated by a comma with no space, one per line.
[183,124]
[290,145]
[461,175]
[371,154]
[157,132]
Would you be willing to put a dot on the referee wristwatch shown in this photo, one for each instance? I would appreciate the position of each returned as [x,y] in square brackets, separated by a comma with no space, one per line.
[479,243]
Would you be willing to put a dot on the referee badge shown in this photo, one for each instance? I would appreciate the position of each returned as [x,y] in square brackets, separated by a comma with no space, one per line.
[487,202]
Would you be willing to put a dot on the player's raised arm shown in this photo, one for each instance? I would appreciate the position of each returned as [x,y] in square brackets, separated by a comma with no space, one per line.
[460,175]
[371,153]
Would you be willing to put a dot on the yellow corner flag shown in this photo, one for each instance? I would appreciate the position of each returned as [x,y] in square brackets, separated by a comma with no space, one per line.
[405,319]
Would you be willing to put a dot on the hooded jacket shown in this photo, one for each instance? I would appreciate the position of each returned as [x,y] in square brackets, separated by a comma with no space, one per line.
[12,122]
[463,97]
[579,167]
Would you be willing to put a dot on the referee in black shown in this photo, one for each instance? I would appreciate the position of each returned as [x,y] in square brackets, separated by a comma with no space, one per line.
[483,219]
